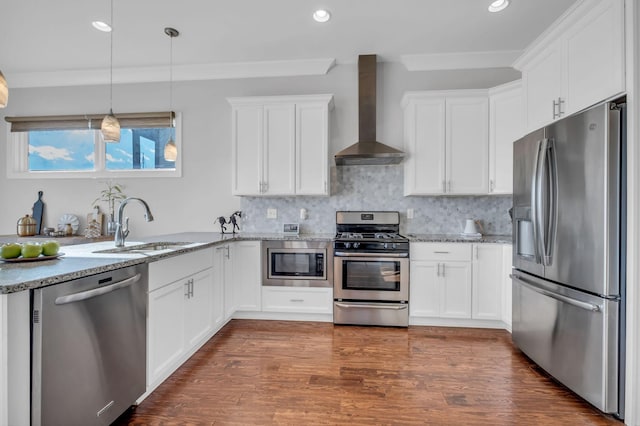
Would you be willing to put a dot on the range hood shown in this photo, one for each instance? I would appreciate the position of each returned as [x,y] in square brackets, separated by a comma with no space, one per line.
[367,151]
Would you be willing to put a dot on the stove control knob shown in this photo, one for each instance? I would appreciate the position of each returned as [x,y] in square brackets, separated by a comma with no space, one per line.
[384,246]
[347,245]
[393,246]
[356,245]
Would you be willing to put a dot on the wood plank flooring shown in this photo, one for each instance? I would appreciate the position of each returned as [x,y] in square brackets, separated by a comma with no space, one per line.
[305,373]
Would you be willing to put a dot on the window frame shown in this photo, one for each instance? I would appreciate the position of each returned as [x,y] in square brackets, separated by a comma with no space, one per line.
[17,150]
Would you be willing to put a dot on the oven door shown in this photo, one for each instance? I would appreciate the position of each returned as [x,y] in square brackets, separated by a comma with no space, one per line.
[371,277]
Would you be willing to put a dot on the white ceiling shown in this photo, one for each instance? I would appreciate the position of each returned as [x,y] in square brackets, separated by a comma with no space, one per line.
[46,40]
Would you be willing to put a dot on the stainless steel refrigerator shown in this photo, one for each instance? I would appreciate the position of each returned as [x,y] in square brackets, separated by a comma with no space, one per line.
[569,252]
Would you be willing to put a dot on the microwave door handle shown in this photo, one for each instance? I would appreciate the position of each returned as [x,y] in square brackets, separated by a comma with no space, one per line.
[534,203]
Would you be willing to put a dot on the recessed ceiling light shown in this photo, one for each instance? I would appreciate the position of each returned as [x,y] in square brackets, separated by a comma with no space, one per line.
[321,15]
[101,26]
[498,5]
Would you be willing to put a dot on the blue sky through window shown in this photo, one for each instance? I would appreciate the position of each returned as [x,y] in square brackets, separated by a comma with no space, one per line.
[61,150]
[74,150]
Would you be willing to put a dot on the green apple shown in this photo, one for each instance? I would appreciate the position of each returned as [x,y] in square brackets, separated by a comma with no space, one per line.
[10,250]
[31,249]
[50,248]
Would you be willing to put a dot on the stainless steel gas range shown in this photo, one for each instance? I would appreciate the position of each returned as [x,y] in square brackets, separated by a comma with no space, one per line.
[371,270]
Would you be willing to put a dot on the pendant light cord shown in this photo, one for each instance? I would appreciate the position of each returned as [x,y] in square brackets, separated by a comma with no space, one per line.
[111,63]
[171,81]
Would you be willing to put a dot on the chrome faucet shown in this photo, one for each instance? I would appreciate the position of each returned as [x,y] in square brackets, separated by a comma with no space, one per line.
[122,229]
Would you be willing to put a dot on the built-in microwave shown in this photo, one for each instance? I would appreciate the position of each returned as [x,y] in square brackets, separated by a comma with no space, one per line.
[297,263]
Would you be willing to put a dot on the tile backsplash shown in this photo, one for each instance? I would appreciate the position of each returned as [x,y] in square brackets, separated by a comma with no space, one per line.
[378,188]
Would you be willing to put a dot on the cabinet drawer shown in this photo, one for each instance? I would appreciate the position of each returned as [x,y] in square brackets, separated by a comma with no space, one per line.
[166,271]
[441,251]
[316,300]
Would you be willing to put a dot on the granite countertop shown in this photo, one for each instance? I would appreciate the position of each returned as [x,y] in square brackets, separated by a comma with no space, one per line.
[81,260]
[457,238]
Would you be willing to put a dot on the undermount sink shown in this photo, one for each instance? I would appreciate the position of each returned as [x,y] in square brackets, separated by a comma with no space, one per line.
[146,247]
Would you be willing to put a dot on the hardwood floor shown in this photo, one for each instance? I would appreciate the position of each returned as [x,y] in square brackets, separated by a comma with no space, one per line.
[301,373]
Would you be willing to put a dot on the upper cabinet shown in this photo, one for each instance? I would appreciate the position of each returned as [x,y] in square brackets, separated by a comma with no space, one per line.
[446,142]
[578,62]
[281,145]
[506,125]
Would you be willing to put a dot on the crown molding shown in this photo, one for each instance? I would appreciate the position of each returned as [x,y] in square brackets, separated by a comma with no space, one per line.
[460,60]
[180,73]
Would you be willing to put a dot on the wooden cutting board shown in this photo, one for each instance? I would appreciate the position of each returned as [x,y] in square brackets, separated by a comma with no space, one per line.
[38,209]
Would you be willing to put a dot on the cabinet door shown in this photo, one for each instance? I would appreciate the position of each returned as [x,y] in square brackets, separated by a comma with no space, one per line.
[165,332]
[217,292]
[506,285]
[467,137]
[198,312]
[246,277]
[223,278]
[279,149]
[424,144]
[595,66]
[424,299]
[455,293]
[542,82]
[306,300]
[506,125]
[246,134]
[487,281]
[312,149]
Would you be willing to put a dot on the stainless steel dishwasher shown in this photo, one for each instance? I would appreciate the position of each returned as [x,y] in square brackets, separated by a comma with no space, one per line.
[89,348]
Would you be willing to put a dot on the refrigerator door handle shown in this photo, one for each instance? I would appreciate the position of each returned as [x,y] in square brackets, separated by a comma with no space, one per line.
[577,303]
[546,192]
[552,217]
[534,205]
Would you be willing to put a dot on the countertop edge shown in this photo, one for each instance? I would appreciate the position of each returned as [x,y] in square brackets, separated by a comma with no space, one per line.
[206,240]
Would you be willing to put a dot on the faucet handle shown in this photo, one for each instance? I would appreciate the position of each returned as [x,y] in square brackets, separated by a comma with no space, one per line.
[125,227]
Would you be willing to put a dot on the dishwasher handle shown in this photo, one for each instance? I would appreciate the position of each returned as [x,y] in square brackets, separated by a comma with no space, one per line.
[88,294]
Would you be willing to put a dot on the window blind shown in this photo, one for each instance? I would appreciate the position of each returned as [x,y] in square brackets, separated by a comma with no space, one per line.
[139,120]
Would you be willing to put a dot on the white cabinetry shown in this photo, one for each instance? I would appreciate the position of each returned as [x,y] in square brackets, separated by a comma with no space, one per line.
[303,300]
[446,142]
[457,284]
[180,314]
[507,261]
[237,267]
[440,285]
[506,125]
[578,62]
[246,275]
[487,281]
[281,145]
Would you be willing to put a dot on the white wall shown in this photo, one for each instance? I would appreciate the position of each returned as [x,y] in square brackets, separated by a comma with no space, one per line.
[192,202]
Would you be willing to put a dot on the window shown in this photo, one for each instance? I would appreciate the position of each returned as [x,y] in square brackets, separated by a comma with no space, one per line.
[72,146]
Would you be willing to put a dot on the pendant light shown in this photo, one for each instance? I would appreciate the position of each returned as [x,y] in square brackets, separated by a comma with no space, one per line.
[4,91]
[110,125]
[170,149]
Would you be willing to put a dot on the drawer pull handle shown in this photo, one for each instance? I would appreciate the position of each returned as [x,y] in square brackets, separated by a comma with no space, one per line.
[442,252]
[296,300]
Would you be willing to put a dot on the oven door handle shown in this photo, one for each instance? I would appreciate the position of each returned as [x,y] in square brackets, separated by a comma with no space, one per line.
[360,305]
[381,255]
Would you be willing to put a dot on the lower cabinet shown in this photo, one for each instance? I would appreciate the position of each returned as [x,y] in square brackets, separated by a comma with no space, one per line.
[507,260]
[487,281]
[457,284]
[246,275]
[440,289]
[303,300]
[180,315]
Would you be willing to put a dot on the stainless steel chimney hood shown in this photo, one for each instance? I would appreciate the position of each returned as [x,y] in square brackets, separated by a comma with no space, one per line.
[367,151]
